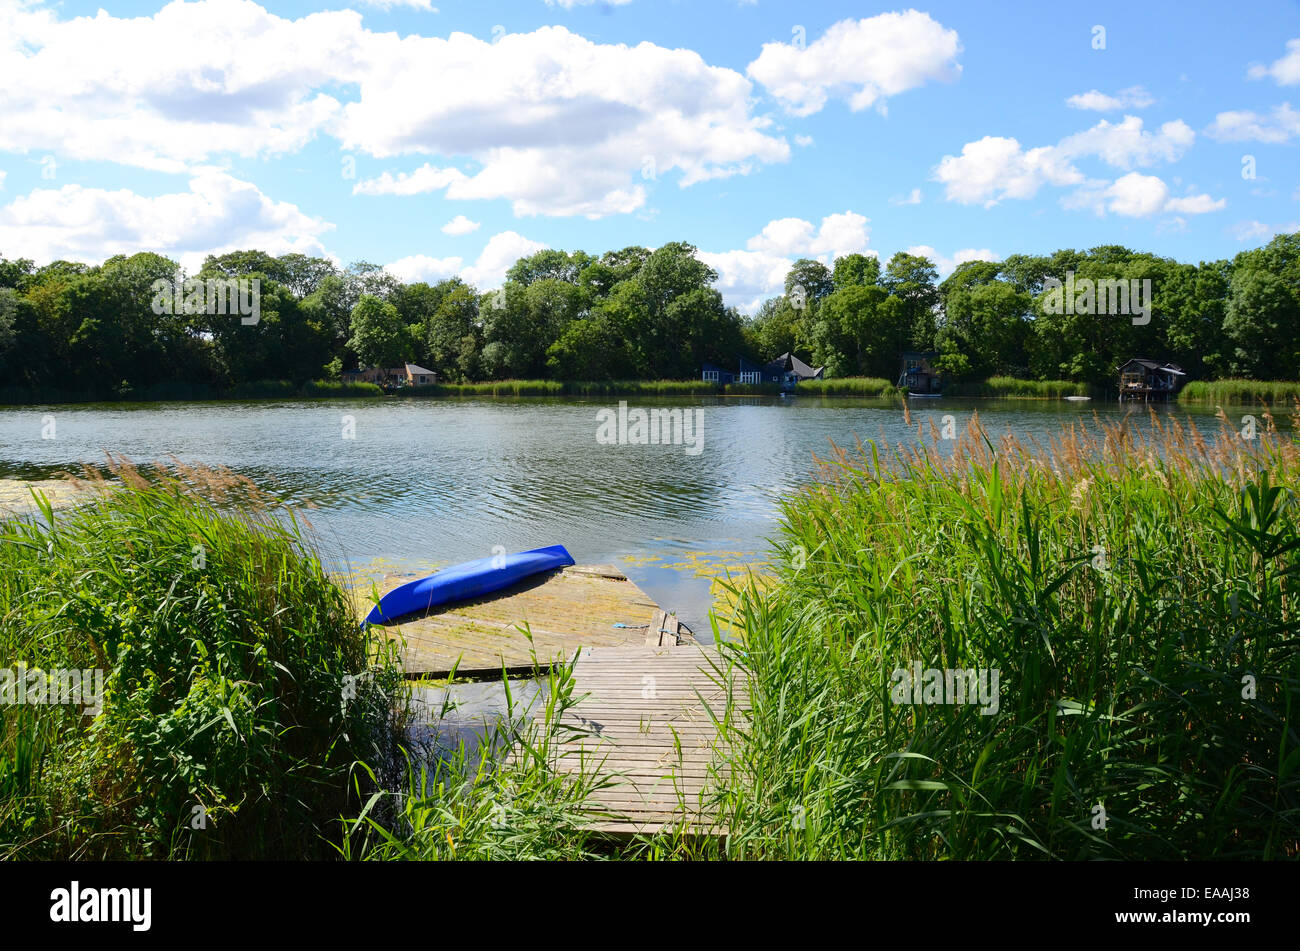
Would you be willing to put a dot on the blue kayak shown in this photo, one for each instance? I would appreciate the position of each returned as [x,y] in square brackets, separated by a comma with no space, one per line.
[472,579]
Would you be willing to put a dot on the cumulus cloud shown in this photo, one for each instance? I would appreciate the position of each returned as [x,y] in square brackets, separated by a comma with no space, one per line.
[218,213]
[1139,196]
[862,61]
[1134,97]
[1284,71]
[912,199]
[557,124]
[947,265]
[1282,124]
[549,120]
[133,91]
[746,277]
[1126,144]
[995,168]
[460,225]
[488,271]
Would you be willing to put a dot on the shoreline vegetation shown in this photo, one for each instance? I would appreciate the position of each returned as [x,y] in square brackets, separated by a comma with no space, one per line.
[139,327]
[1231,392]
[1135,593]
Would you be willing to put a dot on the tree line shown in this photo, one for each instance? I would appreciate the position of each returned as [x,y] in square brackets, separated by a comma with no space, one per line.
[641,314]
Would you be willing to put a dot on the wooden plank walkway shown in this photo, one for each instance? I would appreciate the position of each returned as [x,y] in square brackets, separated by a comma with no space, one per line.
[564,610]
[645,723]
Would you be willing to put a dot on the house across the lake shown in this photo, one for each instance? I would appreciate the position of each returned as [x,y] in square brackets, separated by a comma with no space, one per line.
[786,371]
[918,374]
[407,375]
[1148,380]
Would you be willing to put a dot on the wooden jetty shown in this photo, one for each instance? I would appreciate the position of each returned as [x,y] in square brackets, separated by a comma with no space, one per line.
[646,725]
[647,692]
[580,606]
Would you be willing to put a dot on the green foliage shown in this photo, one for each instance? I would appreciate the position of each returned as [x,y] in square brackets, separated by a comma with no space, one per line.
[71,331]
[1138,600]
[224,647]
[1226,392]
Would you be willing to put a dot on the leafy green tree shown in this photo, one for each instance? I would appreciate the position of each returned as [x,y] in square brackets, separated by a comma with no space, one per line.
[856,270]
[379,337]
[911,280]
[807,284]
[1262,325]
[852,335]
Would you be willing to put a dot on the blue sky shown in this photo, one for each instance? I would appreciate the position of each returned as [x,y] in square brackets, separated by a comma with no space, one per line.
[759,132]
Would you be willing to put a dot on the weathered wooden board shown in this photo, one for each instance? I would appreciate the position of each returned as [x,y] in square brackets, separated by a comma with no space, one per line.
[563,611]
[645,721]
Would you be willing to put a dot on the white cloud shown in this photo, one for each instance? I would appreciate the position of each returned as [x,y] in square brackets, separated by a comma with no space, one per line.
[425,5]
[1195,204]
[424,179]
[1285,71]
[219,213]
[863,61]
[557,124]
[1126,144]
[947,265]
[1134,97]
[1138,196]
[803,141]
[913,199]
[1258,231]
[3,175]
[460,225]
[995,168]
[549,120]
[746,277]
[1245,126]
[133,91]
[498,255]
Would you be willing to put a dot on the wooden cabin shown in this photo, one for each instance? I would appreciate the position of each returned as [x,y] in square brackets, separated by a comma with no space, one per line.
[1149,381]
[408,374]
[785,371]
[918,374]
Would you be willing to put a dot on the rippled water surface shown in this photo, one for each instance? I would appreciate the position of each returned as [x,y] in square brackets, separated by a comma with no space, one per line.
[434,481]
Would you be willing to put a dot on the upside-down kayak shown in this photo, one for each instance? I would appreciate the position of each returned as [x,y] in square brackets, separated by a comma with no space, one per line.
[470,579]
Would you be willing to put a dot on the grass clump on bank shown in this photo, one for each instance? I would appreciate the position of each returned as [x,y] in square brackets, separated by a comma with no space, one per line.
[1137,596]
[229,726]
[1011,388]
[862,386]
[1227,392]
[565,388]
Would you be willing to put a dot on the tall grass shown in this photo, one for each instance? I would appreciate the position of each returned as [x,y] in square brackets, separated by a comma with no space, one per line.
[505,800]
[864,386]
[228,725]
[1009,387]
[566,388]
[1138,597]
[1227,392]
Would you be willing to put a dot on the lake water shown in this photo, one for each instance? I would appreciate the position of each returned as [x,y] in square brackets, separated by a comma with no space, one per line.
[429,482]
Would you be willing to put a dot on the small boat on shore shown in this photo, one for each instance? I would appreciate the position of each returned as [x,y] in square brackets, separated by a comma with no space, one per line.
[470,579]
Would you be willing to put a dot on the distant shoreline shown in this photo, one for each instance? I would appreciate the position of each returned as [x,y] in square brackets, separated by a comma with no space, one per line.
[1209,393]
